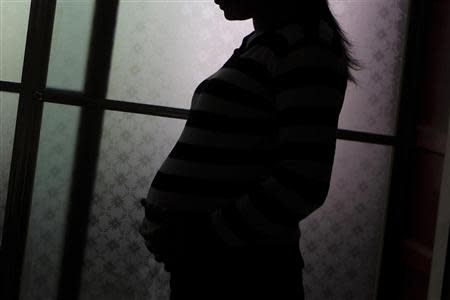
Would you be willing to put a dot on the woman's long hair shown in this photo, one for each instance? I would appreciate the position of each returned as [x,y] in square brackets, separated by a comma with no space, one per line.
[321,9]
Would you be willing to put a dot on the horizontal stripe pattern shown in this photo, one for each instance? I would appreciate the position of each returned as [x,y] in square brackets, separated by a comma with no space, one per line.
[211,171]
[228,91]
[258,147]
[230,156]
[198,186]
[311,56]
[217,139]
[173,200]
[242,80]
[223,123]
[222,106]
[319,76]
[309,96]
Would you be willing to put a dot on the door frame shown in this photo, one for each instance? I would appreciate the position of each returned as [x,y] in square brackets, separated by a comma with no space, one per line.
[395,220]
[440,264]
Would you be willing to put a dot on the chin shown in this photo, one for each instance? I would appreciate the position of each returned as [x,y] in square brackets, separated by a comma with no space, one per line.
[231,14]
[236,17]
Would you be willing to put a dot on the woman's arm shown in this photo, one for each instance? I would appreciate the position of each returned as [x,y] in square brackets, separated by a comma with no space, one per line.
[309,87]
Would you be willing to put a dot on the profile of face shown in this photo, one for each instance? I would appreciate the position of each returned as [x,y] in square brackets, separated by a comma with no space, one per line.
[238,9]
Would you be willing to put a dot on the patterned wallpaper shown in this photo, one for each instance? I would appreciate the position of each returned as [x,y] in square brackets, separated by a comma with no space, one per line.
[340,242]
[378,31]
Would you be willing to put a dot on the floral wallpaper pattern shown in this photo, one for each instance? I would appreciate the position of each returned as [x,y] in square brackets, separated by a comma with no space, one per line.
[162,51]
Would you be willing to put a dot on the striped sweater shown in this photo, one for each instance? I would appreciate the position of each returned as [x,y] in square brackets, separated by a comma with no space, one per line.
[258,147]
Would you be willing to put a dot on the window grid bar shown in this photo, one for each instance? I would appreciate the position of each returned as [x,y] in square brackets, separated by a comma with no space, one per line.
[87,149]
[12,87]
[79,99]
[26,141]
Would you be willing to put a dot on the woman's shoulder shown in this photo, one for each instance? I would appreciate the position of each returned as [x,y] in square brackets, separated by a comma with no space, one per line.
[292,46]
[292,36]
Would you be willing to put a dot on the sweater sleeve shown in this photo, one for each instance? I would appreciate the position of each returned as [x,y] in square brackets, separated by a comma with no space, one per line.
[308,95]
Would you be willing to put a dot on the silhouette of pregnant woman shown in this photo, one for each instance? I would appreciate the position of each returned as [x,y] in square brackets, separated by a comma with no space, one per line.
[254,158]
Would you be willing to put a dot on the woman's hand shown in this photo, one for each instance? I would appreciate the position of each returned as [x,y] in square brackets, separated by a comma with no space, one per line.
[147,231]
[147,227]
[156,237]
[166,240]
[175,238]
[164,234]
[154,230]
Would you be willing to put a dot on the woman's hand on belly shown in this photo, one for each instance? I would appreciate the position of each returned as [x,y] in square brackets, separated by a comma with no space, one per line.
[179,238]
[154,230]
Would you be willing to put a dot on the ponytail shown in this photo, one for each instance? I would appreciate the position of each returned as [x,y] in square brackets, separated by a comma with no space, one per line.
[313,10]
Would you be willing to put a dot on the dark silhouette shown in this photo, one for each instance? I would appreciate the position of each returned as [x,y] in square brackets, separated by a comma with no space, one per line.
[254,159]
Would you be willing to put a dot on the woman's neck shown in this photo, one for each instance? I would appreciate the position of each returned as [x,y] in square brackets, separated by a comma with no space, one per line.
[275,17]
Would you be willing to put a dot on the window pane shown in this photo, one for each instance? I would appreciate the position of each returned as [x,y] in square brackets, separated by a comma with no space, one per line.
[378,31]
[164,49]
[8,114]
[45,240]
[13,27]
[118,265]
[70,44]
